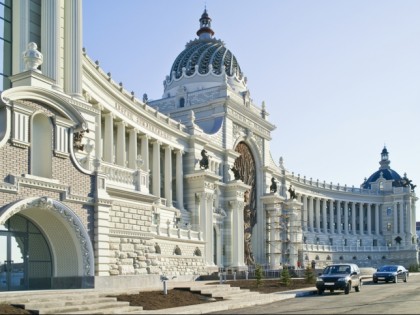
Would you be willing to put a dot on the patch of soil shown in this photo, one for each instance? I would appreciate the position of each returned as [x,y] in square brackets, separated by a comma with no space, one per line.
[156,300]
[10,309]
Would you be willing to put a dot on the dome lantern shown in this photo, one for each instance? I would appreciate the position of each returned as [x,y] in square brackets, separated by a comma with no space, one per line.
[384,159]
[205,31]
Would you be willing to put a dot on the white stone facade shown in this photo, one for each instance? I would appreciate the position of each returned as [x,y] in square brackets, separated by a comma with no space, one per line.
[123,190]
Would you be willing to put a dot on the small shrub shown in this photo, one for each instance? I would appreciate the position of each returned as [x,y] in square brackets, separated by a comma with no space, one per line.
[258,274]
[309,275]
[285,277]
[413,268]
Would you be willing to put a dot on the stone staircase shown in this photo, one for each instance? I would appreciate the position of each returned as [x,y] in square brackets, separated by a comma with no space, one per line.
[69,302]
[91,301]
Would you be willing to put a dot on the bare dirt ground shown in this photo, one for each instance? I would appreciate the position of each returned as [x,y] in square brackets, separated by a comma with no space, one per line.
[155,300]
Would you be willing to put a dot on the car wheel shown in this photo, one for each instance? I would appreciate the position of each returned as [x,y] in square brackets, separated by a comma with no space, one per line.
[359,286]
[375,281]
[347,289]
[405,278]
[320,291]
[396,279]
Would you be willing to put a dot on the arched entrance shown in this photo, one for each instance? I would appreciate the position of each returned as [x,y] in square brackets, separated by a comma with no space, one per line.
[245,164]
[43,245]
[25,257]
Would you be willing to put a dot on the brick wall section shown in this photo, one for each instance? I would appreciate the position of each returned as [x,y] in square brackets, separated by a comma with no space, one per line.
[16,161]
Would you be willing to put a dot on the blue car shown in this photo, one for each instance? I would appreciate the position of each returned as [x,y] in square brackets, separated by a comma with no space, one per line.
[390,273]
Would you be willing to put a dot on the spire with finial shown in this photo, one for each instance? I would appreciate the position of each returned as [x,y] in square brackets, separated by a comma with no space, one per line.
[205,31]
[384,159]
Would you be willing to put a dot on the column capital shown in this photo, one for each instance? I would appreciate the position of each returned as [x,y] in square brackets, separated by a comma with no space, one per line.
[167,146]
[179,151]
[134,130]
[145,136]
[155,141]
[121,123]
[110,115]
[98,106]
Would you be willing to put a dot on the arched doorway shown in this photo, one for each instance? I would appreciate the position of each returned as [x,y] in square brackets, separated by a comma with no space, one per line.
[25,257]
[44,245]
[245,164]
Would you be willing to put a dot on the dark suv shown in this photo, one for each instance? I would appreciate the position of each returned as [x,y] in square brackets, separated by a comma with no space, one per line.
[339,277]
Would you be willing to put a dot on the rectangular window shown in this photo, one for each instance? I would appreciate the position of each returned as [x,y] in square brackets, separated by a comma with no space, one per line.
[5,43]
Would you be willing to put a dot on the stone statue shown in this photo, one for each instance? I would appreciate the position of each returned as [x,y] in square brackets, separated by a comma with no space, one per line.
[77,139]
[204,162]
[248,256]
[273,187]
[292,192]
[236,173]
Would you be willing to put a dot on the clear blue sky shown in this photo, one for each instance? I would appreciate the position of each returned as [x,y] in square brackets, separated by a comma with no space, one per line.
[339,78]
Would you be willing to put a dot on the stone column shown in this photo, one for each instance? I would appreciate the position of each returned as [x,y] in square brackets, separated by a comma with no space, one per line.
[305,213]
[109,138]
[331,208]
[238,207]
[377,228]
[369,218]
[346,217]
[395,210]
[132,149]
[324,216]
[179,179]
[205,221]
[318,214]
[98,132]
[353,217]
[73,47]
[50,41]
[311,213]
[145,151]
[409,219]
[156,168]
[361,225]
[338,216]
[401,208]
[168,175]
[120,154]
[295,234]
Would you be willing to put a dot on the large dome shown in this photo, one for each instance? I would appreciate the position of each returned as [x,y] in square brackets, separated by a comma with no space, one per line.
[204,63]
[384,172]
[204,56]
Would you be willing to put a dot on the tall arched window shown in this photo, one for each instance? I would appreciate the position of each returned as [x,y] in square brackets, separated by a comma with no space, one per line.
[182,102]
[41,146]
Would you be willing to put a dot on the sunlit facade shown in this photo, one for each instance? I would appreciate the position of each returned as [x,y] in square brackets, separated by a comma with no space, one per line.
[100,188]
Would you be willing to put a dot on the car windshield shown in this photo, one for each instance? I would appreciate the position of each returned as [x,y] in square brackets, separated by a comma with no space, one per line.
[388,268]
[334,270]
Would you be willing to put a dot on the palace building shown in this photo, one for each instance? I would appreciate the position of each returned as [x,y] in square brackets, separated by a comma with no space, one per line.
[99,188]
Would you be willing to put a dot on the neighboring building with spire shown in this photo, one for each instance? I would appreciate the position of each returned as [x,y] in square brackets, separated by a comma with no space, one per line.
[109,190]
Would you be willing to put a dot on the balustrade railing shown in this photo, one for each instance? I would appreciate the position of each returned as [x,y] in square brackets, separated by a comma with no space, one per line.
[120,176]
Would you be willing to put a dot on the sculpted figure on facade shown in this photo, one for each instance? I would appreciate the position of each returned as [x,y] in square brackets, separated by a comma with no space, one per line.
[248,256]
[273,187]
[204,162]
[292,192]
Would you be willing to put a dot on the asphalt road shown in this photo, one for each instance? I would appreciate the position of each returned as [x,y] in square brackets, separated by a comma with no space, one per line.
[381,298]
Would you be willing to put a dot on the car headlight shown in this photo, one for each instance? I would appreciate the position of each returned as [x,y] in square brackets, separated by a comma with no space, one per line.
[319,279]
[342,279]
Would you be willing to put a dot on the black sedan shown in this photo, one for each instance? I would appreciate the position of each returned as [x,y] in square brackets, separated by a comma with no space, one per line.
[389,273]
